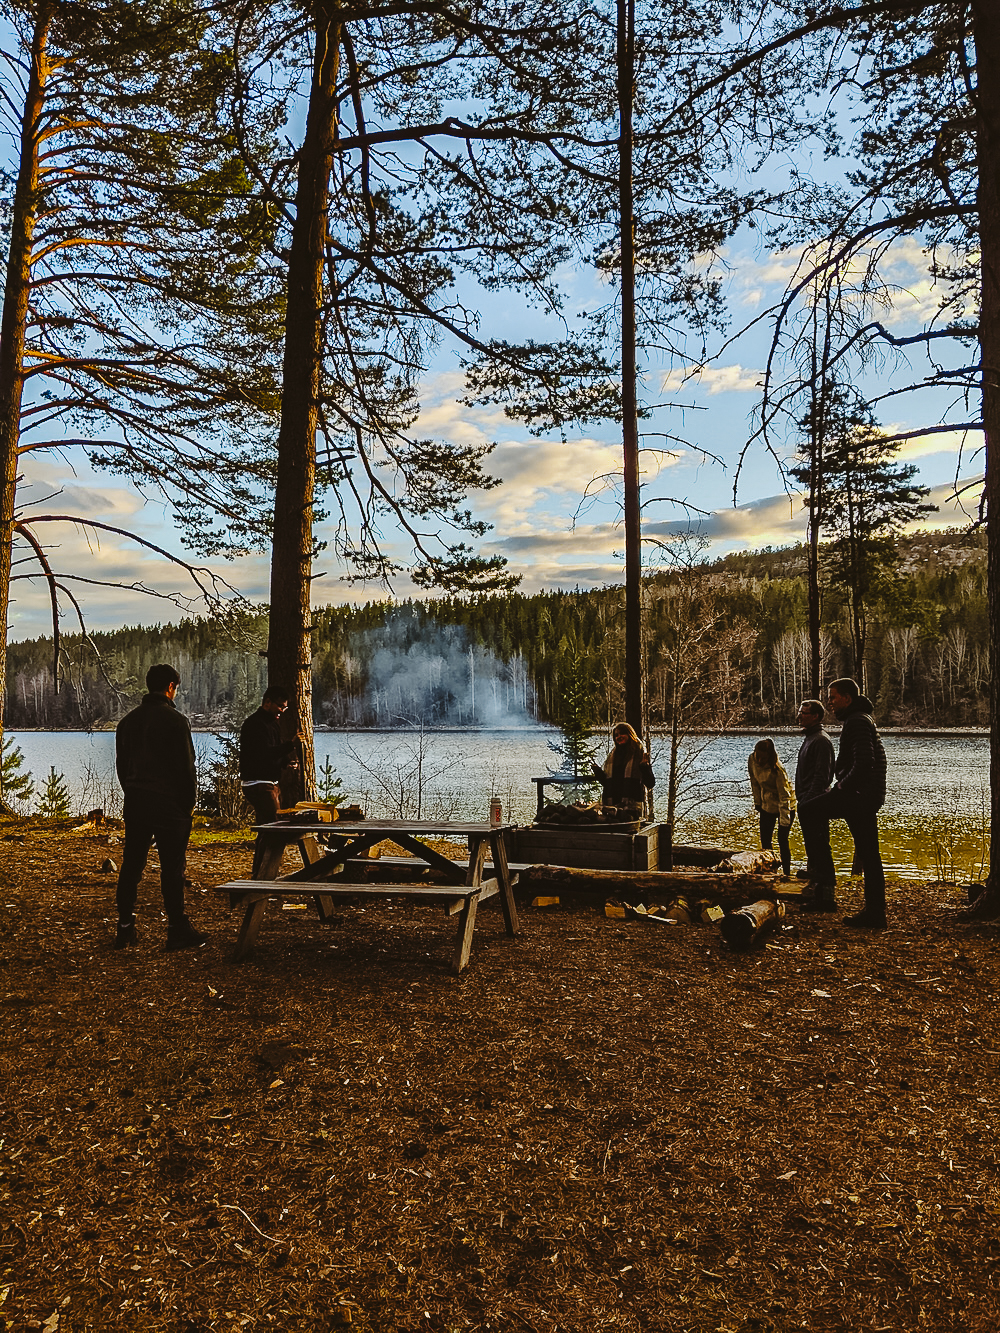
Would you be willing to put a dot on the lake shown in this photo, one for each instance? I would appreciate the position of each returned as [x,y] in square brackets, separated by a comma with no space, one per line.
[935,821]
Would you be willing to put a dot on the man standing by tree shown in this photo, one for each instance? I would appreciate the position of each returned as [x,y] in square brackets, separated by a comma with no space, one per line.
[813,775]
[262,755]
[857,796]
[154,755]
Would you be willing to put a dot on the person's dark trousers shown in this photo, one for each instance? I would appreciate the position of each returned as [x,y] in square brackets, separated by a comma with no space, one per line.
[264,799]
[144,825]
[767,823]
[862,820]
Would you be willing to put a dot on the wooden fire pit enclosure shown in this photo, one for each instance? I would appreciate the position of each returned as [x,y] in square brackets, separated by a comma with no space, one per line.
[599,861]
[592,847]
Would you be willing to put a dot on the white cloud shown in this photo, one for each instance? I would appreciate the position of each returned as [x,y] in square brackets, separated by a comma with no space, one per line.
[911,295]
[957,501]
[715,379]
[966,443]
[756,279]
[443,415]
[775,520]
[778,520]
[568,539]
[541,475]
[52,485]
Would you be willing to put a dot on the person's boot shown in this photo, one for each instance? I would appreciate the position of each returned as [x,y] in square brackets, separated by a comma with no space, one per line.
[125,935]
[182,935]
[821,899]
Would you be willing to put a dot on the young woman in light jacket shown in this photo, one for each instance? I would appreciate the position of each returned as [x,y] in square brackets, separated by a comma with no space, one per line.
[773,799]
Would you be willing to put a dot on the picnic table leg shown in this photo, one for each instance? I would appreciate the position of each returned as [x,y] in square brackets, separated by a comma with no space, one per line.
[478,848]
[309,850]
[463,942]
[270,860]
[502,871]
[252,919]
[324,906]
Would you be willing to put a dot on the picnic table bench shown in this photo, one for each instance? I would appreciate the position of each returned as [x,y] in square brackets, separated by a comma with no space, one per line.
[333,854]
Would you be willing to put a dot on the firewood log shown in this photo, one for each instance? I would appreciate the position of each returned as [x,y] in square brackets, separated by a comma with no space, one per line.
[658,886]
[742,928]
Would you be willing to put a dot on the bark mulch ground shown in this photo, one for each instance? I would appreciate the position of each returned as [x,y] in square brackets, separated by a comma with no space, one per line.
[601,1125]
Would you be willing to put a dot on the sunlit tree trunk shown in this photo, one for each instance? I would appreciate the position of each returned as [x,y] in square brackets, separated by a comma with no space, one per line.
[817,431]
[289,644]
[630,424]
[15,314]
[986,19]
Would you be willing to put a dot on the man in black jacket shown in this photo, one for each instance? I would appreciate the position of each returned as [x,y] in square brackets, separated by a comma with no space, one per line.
[262,755]
[154,756]
[857,796]
[813,768]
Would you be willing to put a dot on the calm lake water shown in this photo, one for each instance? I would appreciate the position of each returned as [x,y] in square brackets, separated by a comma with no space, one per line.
[935,821]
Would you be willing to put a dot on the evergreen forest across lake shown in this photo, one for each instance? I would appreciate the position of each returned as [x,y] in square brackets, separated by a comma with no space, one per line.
[725,645]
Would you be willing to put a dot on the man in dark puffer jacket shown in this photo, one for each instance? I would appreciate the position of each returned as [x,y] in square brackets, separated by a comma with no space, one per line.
[857,796]
[154,757]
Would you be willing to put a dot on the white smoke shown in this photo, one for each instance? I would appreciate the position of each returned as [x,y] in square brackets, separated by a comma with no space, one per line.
[417,673]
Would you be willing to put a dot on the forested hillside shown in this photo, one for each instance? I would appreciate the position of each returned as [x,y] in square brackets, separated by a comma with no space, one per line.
[725,641]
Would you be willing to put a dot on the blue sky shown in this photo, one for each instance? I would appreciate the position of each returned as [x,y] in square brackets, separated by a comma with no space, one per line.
[552,517]
[542,523]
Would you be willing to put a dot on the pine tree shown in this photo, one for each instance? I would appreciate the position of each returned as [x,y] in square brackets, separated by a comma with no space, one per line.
[16,784]
[132,306]
[576,716]
[54,802]
[223,792]
[919,79]
[328,785]
[863,498]
[507,195]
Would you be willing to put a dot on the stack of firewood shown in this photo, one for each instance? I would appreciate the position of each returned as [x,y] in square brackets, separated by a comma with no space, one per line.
[572,814]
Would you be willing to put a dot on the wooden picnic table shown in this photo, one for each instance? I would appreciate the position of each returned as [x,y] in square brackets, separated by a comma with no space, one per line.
[333,853]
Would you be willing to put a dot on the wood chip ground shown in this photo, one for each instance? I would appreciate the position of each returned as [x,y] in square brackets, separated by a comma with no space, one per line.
[601,1125]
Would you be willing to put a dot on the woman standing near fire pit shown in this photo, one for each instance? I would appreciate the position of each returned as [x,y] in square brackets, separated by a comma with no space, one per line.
[626,775]
[773,799]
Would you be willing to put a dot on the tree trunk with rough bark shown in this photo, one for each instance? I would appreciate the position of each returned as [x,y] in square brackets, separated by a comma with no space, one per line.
[986,20]
[289,644]
[634,701]
[15,314]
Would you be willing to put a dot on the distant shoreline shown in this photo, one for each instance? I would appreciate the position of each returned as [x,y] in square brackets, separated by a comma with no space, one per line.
[785,729]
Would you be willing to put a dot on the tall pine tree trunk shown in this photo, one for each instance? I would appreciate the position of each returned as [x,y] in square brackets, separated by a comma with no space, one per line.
[15,315]
[986,20]
[634,703]
[289,644]
[817,441]
[812,570]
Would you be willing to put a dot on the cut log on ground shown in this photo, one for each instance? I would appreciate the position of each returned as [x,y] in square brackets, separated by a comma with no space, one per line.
[749,863]
[747,925]
[687,855]
[645,886]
